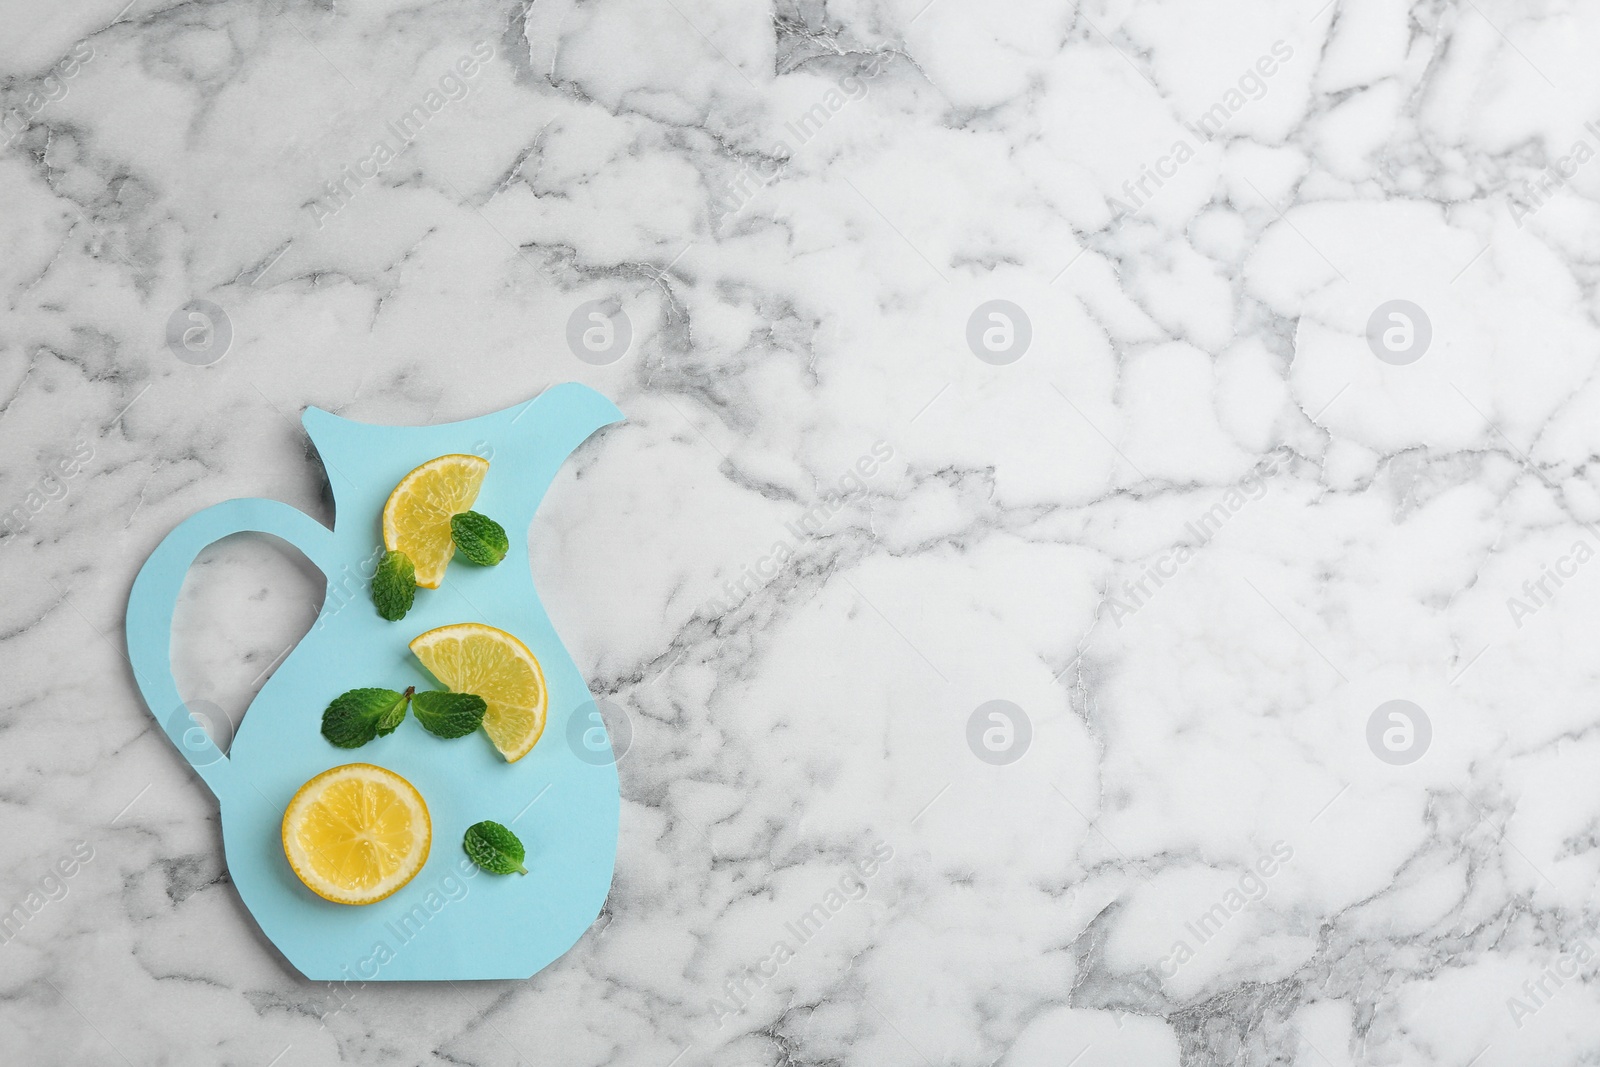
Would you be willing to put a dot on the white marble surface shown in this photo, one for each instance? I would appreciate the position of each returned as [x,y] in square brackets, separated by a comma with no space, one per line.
[1198,532]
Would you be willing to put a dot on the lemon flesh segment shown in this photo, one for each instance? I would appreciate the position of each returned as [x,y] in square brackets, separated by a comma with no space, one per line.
[357,833]
[469,657]
[416,517]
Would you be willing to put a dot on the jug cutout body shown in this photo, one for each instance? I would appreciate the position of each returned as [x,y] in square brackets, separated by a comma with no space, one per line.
[452,920]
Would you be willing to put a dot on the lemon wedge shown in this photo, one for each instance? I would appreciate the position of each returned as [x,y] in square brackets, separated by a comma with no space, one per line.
[469,657]
[416,517]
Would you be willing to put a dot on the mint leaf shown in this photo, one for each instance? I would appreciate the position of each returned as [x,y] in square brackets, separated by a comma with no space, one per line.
[394,586]
[494,848]
[449,714]
[479,538]
[391,719]
[356,717]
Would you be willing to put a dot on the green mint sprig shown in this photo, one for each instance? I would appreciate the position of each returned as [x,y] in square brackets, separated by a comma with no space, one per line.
[479,538]
[356,717]
[449,715]
[494,848]
[394,586]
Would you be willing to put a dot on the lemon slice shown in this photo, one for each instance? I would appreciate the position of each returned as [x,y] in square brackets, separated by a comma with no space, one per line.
[416,517]
[471,658]
[357,833]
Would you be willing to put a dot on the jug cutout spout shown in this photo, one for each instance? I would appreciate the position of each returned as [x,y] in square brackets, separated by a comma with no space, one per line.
[527,443]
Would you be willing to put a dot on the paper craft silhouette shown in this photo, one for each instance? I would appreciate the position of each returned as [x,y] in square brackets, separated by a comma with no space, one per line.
[451,921]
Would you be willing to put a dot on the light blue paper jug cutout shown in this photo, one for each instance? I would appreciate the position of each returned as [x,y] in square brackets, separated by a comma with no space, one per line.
[451,921]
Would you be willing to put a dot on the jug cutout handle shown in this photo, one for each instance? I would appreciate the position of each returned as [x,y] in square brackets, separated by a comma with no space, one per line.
[155,596]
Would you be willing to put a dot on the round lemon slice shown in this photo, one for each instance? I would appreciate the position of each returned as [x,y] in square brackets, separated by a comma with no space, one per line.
[416,517]
[356,834]
[469,657]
